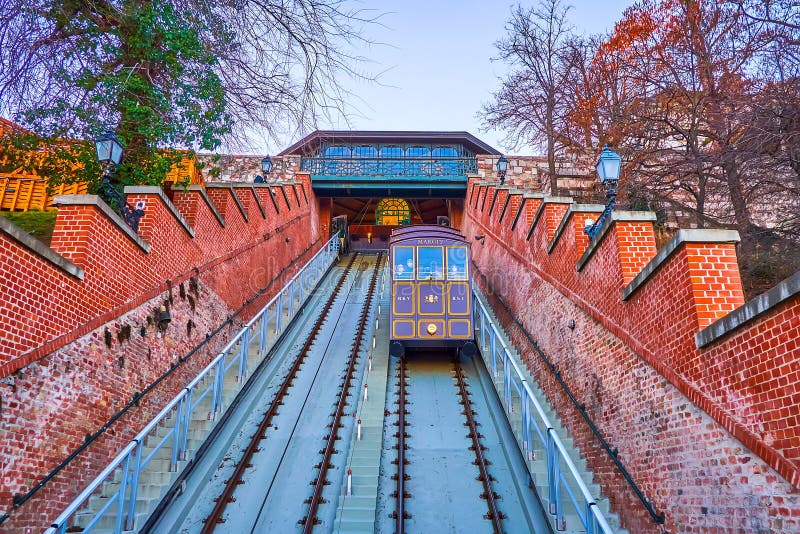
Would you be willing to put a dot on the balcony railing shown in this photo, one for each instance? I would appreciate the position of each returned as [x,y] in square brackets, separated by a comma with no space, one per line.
[390,166]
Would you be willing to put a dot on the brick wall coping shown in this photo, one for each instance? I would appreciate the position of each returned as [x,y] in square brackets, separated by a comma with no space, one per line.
[210,204]
[239,204]
[755,307]
[230,187]
[622,215]
[534,195]
[574,208]
[156,190]
[258,203]
[546,200]
[96,201]
[683,236]
[37,247]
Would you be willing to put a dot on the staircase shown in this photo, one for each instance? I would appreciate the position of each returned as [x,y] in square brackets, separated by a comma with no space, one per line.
[537,457]
[157,476]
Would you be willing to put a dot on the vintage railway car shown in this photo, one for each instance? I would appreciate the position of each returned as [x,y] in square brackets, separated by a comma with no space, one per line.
[430,290]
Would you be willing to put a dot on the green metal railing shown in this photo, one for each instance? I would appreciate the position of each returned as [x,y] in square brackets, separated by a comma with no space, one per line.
[443,166]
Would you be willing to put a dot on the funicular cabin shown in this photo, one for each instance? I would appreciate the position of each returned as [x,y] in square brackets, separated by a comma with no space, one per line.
[430,290]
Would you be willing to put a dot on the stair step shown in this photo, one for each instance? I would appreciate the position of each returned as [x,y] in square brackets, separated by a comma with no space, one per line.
[538,468]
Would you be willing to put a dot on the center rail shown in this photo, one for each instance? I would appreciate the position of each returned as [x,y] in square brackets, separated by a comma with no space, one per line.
[480,460]
[400,514]
[311,519]
[233,482]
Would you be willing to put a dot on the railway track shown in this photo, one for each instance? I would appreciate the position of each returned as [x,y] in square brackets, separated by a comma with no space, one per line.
[400,494]
[311,519]
[227,495]
[461,478]
[485,478]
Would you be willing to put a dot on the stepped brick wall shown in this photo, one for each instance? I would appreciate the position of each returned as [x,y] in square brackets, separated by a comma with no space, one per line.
[697,390]
[80,336]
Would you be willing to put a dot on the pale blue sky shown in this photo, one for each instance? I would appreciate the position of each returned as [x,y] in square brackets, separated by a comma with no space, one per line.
[437,63]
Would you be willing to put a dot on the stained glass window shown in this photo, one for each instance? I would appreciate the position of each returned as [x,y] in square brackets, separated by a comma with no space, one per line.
[393,212]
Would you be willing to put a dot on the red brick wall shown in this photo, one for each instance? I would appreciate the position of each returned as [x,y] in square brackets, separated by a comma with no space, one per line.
[60,381]
[710,435]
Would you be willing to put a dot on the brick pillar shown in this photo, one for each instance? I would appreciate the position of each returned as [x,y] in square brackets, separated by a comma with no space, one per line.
[554,211]
[187,203]
[72,231]
[636,242]
[716,282]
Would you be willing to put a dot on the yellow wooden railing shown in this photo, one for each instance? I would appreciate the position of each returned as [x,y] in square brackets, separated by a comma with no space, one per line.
[23,192]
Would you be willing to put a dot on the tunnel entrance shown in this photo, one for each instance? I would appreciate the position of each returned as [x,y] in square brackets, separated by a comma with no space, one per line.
[369,221]
[380,180]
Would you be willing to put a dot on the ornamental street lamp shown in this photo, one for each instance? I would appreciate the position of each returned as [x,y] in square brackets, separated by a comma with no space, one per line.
[109,149]
[502,167]
[109,155]
[608,167]
[266,169]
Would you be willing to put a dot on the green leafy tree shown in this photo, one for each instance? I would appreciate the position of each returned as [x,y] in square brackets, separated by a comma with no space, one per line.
[164,75]
[140,66]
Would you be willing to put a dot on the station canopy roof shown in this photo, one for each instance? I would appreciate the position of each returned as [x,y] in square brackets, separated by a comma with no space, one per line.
[311,144]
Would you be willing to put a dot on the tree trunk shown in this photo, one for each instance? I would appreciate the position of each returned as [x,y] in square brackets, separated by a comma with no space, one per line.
[741,212]
[551,146]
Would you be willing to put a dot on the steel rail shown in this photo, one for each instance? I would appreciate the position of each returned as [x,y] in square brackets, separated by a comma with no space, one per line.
[491,500]
[400,492]
[310,520]
[231,484]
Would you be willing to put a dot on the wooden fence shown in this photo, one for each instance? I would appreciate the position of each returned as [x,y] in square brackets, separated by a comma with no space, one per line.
[23,193]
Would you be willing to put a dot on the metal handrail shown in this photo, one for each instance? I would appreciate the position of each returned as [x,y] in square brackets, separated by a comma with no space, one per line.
[554,472]
[657,517]
[60,524]
[183,405]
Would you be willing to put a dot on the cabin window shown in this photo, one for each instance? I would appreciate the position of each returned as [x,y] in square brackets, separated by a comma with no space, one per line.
[456,263]
[403,263]
[431,263]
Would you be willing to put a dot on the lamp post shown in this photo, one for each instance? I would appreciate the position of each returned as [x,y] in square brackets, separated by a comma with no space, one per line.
[608,167]
[109,155]
[266,167]
[502,167]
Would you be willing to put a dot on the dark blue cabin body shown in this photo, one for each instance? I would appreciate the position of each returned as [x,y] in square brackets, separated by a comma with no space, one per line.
[431,294]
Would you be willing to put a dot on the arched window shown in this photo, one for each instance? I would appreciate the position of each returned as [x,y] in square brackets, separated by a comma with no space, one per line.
[365,151]
[444,152]
[393,212]
[369,165]
[336,151]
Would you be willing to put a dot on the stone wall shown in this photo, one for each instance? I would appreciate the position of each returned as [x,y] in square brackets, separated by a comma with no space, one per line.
[244,168]
[708,433]
[576,174]
[80,336]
